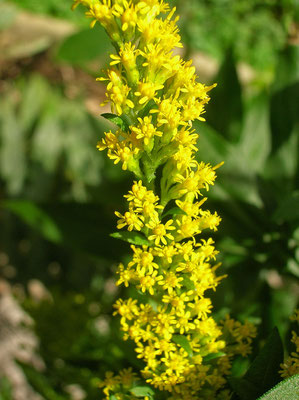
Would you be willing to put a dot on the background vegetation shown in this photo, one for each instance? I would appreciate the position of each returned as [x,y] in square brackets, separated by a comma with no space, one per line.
[58,194]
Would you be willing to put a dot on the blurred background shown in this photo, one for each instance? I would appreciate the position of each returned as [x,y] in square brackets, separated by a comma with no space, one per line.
[58,194]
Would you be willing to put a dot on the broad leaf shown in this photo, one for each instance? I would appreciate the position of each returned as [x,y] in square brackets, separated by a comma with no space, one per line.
[263,372]
[223,115]
[287,389]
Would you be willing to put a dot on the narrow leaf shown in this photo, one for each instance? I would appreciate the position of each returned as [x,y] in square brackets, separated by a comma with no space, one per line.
[142,391]
[212,356]
[131,237]
[36,217]
[184,343]
[119,121]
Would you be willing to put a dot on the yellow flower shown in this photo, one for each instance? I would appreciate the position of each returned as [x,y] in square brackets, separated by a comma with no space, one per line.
[130,219]
[145,130]
[159,231]
[125,275]
[144,260]
[147,283]
[147,91]
[157,96]
[170,281]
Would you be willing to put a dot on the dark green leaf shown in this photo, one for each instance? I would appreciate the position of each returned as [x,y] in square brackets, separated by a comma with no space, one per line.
[36,217]
[287,69]
[287,389]
[131,237]
[142,391]
[83,227]
[41,383]
[284,114]
[184,343]
[264,369]
[263,372]
[119,121]
[244,389]
[223,115]
[288,210]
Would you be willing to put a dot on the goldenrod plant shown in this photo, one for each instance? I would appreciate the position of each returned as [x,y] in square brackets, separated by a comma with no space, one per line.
[155,97]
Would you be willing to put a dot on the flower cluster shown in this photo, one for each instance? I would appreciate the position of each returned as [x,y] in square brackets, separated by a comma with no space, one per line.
[155,96]
[291,365]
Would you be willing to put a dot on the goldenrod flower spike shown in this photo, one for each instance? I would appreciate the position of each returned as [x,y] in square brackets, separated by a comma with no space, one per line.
[155,97]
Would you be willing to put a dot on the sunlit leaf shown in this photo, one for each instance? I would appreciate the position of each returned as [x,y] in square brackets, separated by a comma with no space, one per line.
[131,237]
[119,121]
[142,391]
[184,343]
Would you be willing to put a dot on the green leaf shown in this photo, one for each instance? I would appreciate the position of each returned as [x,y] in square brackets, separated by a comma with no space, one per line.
[13,164]
[84,46]
[213,147]
[82,227]
[35,94]
[188,283]
[288,209]
[184,343]
[263,372]
[41,383]
[142,391]
[212,356]
[119,121]
[36,217]
[284,114]
[131,237]
[255,137]
[287,389]
[244,389]
[5,389]
[174,211]
[223,115]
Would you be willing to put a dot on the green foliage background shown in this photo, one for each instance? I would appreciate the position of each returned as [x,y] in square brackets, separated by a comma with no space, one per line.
[58,194]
